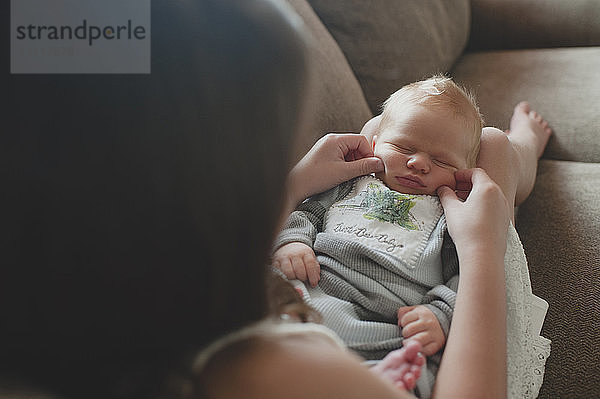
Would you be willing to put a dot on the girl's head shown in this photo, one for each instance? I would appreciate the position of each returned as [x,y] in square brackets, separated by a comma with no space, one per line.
[143,207]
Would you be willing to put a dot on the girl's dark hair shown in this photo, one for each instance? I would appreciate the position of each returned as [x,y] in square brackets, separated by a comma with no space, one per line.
[139,209]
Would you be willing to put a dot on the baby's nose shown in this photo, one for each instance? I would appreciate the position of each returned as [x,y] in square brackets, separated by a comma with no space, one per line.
[420,162]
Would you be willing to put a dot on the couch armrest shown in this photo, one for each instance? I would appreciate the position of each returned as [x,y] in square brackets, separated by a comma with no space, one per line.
[511,24]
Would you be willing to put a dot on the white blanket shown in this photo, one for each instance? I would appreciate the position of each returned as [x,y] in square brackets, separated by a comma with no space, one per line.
[527,350]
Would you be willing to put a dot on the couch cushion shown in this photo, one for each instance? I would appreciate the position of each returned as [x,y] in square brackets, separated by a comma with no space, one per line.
[558,225]
[337,101]
[505,24]
[562,84]
[390,43]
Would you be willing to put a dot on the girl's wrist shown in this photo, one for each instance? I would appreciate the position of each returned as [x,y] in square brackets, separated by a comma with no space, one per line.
[293,195]
[478,251]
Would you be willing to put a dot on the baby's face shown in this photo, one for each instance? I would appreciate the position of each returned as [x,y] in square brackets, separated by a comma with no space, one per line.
[421,149]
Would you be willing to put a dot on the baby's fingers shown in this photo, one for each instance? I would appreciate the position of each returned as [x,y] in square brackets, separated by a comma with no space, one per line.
[413,328]
[299,268]
[285,265]
[427,340]
[421,337]
[407,315]
[313,269]
[431,348]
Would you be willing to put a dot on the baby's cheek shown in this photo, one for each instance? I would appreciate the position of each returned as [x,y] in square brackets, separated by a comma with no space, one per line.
[381,176]
[448,179]
[452,180]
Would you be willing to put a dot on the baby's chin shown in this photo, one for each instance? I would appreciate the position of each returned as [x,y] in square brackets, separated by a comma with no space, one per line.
[414,191]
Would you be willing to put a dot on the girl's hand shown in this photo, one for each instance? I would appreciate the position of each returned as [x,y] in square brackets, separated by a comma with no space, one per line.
[480,222]
[334,159]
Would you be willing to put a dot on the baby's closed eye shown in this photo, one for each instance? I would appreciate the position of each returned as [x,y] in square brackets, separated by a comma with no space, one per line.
[444,164]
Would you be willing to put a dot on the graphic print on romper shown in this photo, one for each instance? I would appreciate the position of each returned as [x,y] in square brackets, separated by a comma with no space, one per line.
[385,220]
[389,206]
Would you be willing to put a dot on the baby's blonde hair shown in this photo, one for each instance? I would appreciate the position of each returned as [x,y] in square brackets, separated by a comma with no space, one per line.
[443,93]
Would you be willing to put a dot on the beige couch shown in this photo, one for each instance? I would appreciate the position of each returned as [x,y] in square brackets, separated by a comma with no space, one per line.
[546,52]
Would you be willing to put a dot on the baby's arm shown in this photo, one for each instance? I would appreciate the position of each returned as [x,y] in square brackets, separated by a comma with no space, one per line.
[429,323]
[294,254]
[298,261]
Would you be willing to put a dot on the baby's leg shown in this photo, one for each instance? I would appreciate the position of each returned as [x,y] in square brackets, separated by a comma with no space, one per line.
[511,158]
[403,366]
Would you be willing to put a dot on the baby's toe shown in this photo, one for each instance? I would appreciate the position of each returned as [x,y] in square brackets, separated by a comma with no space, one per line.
[523,106]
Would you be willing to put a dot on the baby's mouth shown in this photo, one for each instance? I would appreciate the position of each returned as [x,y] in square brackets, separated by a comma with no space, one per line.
[410,181]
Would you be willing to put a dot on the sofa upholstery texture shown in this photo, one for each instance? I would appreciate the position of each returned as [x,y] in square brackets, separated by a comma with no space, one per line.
[374,49]
[336,87]
[505,51]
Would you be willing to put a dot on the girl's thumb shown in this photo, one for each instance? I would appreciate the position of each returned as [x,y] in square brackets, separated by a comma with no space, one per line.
[366,166]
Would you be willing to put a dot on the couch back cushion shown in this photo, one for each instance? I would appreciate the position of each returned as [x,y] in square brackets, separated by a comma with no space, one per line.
[336,101]
[390,43]
[511,24]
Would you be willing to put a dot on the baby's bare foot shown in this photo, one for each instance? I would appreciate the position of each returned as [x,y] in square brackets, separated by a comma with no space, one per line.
[402,367]
[529,128]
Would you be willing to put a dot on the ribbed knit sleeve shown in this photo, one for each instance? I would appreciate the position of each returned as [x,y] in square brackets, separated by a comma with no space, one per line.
[441,299]
[307,220]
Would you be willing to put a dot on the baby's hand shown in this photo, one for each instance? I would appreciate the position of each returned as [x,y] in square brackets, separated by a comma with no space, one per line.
[419,323]
[298,261]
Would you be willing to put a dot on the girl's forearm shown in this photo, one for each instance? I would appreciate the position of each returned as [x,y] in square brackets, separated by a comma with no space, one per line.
[475,352]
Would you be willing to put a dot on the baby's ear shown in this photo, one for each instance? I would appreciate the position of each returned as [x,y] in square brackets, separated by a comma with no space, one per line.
[375,137]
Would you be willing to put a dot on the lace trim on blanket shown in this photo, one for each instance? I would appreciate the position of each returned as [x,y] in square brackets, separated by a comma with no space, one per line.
[527,351]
